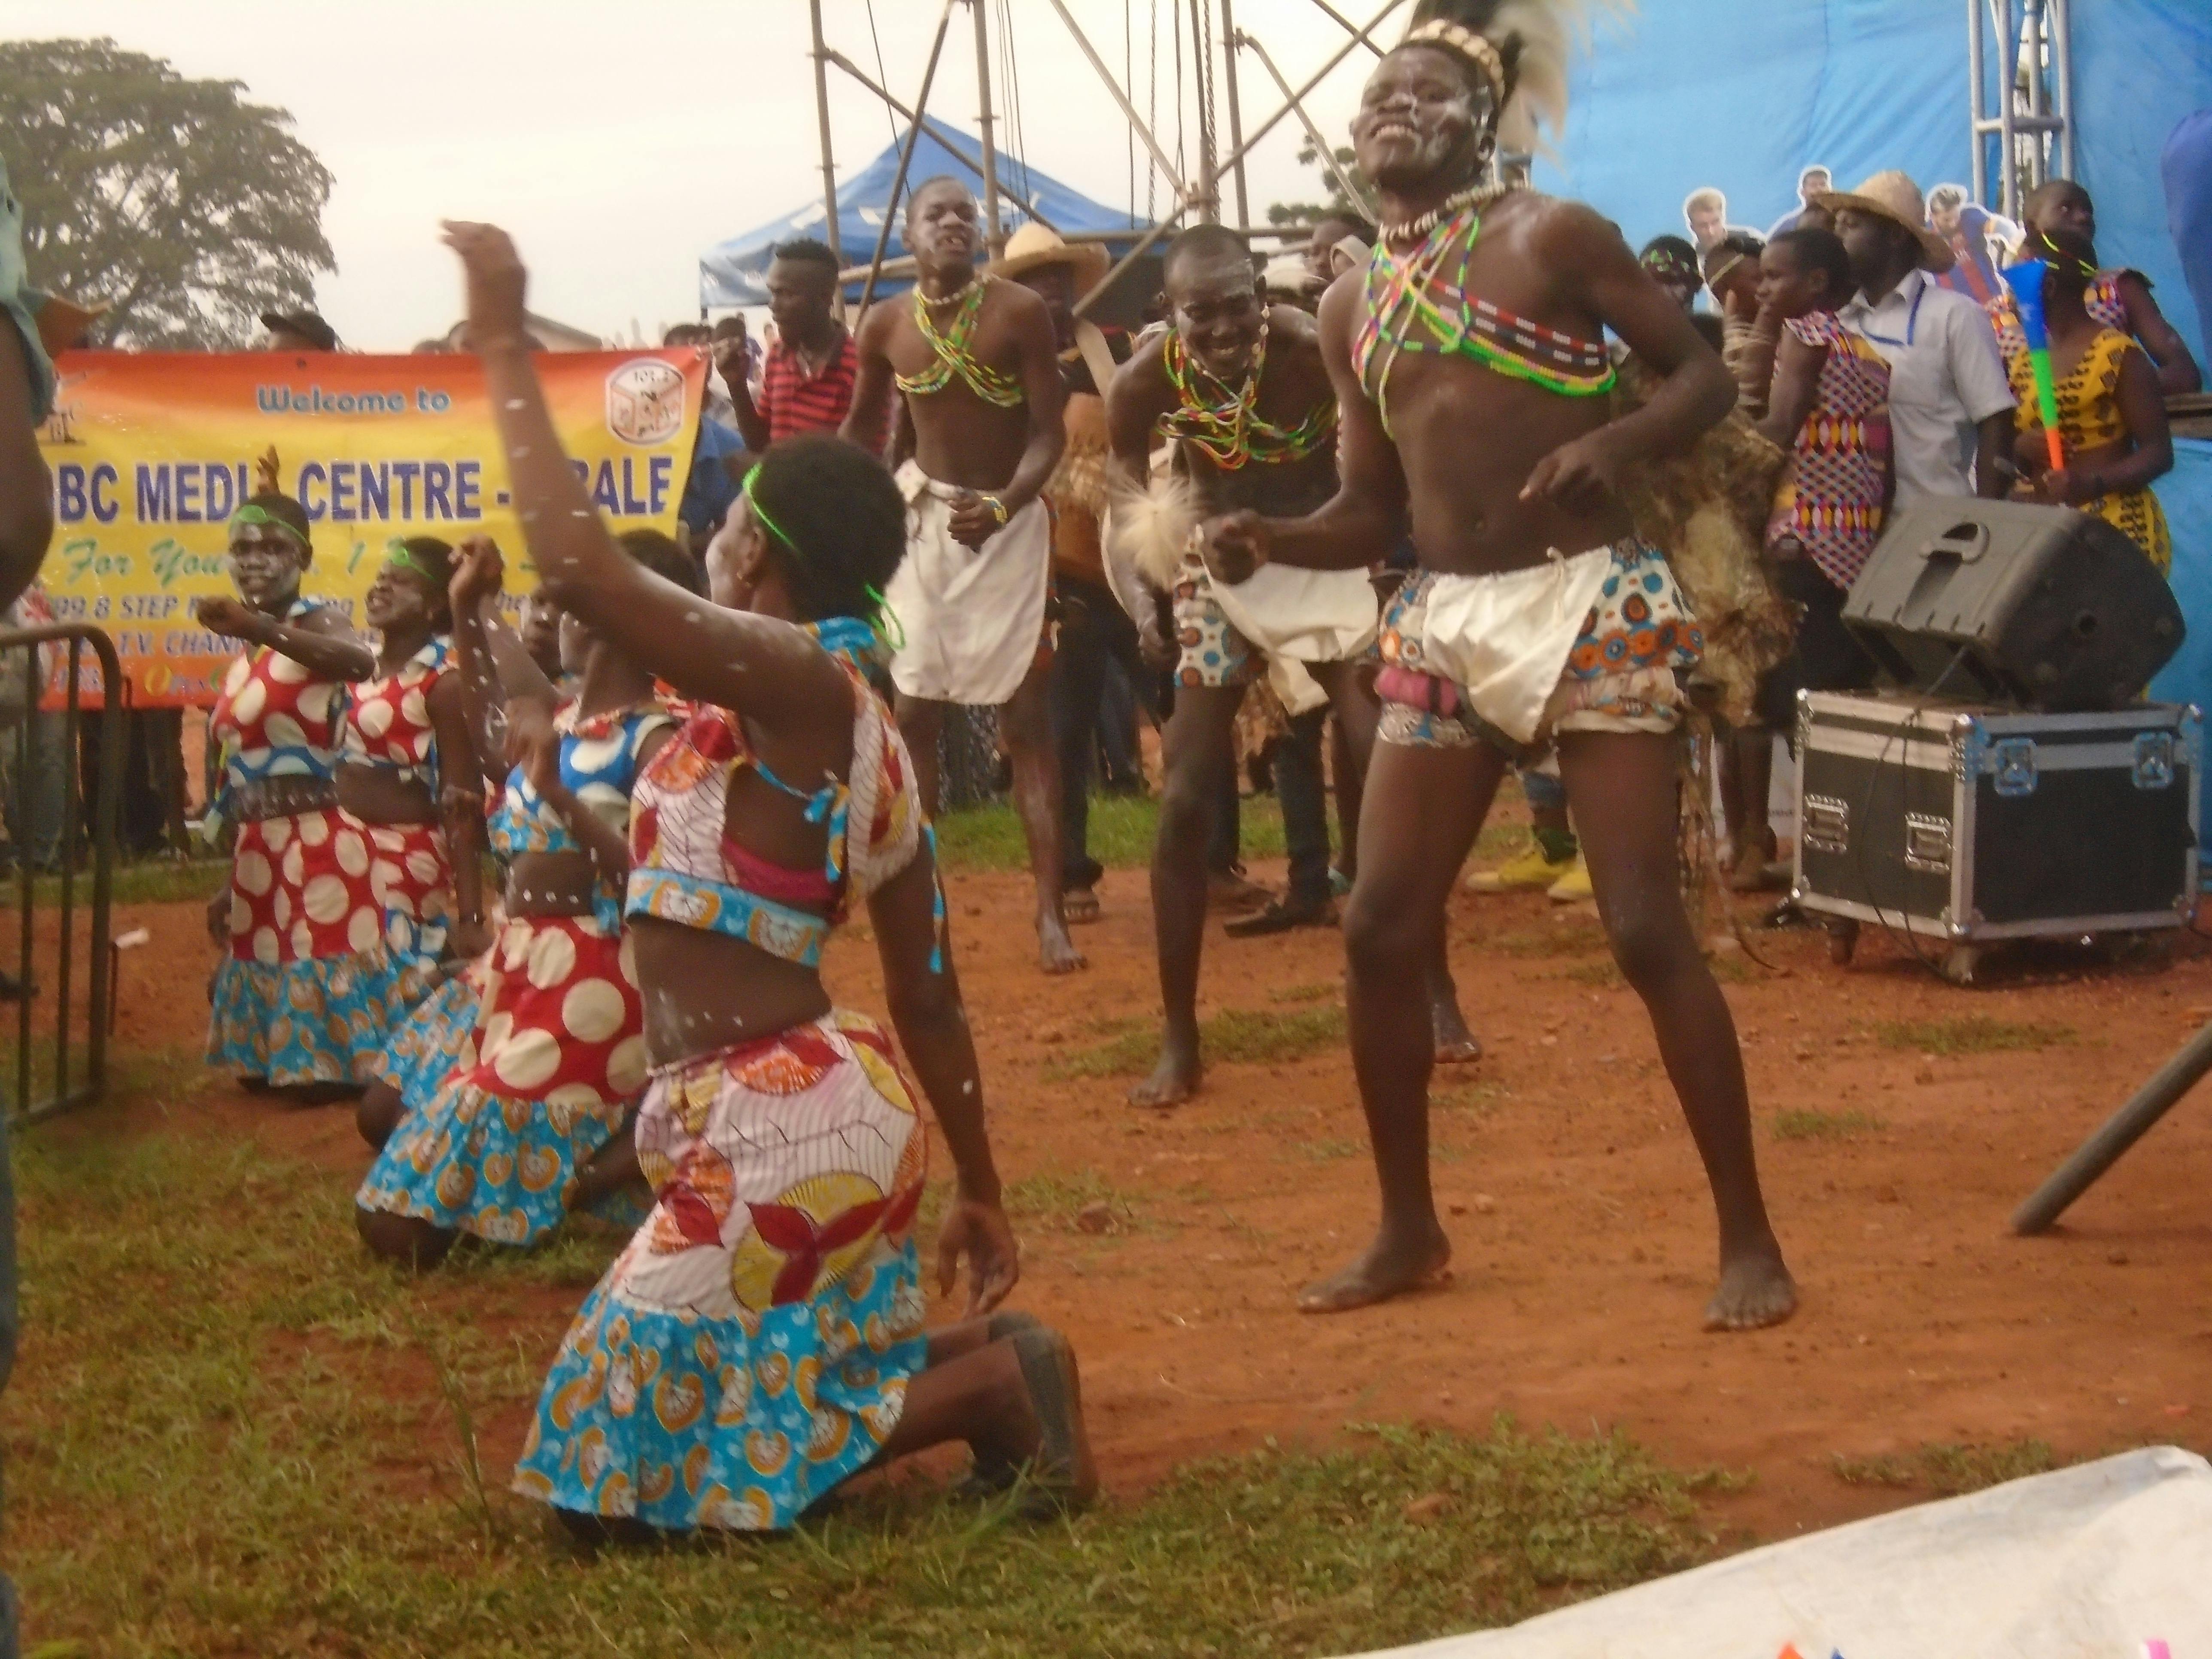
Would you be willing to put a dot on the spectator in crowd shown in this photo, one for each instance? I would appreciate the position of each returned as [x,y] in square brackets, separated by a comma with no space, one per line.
[1704,211]
[2119,300]
[811,369]
[719,457]
[1673,263]
[2186,167]
[1327,257]
[1814,183]
[2111,413]
[1823,399]
[302,330]
[1094,629]
[1977,237]
[1946,378]
[714,404]
[1731,273]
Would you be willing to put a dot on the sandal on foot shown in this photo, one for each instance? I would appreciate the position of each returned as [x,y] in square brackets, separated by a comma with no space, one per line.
[993,1471]
[1281,917]
[1078,905]
[1058,1482]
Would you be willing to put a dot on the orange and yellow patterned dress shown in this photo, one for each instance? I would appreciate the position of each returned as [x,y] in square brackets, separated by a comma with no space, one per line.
[2089,417]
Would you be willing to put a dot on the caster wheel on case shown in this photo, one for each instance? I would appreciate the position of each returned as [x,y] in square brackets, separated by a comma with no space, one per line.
[1959,964]
[1842,942]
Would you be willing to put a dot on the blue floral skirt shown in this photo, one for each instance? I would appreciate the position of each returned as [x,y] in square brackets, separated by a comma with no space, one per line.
[436,1040]
[320,1020]
[751,1347]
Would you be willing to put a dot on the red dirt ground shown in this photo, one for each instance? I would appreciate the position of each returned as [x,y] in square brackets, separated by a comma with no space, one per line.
[1583,1234]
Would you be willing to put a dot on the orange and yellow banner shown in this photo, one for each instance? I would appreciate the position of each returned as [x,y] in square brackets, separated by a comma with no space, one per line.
[151,454]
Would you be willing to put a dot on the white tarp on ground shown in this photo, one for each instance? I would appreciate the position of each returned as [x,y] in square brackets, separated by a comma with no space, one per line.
[2089,1563]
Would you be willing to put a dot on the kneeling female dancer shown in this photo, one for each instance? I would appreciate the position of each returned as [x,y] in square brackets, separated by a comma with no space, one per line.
[338,901]
[760,1338]
[439,1037]
[531,1121]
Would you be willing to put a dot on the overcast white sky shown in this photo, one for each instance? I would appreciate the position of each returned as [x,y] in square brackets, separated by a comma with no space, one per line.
[617,141]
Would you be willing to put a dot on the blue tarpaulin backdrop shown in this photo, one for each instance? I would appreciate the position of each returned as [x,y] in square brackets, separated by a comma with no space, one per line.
[1745,94]
[731,273]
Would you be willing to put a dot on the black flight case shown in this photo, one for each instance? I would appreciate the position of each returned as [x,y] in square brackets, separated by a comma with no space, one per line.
[1964,824]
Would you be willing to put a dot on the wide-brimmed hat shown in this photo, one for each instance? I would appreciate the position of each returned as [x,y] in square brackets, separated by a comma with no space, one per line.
[1034,245]
[307,324]
[62,322]
[1895,198]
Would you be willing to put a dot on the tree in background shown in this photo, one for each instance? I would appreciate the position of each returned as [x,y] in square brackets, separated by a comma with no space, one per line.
[1308,213]
[190,209]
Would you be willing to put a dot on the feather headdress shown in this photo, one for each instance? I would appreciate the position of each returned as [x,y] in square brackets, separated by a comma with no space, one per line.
[1520,48]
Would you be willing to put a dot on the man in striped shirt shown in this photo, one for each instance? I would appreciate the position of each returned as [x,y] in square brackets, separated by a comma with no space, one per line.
[806,384]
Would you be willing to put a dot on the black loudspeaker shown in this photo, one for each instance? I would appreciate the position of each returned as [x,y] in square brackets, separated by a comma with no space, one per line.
[2056,611]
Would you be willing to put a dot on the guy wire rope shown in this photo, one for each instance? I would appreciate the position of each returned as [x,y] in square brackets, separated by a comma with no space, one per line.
[881,79]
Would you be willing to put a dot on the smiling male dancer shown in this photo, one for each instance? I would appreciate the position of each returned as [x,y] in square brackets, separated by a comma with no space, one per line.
[1470,368]
[977,362]
[1240,390]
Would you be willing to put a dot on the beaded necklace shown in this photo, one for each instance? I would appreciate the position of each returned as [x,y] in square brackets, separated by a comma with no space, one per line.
[1227,425]
[953,356]
[1416,291]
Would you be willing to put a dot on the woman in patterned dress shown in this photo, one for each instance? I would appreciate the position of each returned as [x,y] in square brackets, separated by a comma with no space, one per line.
[2118,299]
[760,1338]
[406,732]
[1826,397]
[2112,415]
[439,1035]
[286,999]
[532,1119]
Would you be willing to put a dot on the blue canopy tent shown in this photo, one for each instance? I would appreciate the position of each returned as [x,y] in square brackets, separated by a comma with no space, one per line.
[731,273]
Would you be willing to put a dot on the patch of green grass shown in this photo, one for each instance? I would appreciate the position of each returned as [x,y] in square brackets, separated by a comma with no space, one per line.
[1949,1470]
[1328,1152]
[1603,974]
[1248,1034]
[1317,992]
[1976,1034]
[1477,1098]
[321,1447]
[1578,937]
[1121,833]
[1056,1199]
[152,881]
[1806,1123]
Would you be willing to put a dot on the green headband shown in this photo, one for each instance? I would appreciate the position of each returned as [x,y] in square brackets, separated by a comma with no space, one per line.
[884,624]
[262,516]
[761,513]
[396,552]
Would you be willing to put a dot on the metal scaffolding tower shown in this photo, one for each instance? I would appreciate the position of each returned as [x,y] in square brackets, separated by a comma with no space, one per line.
[2026,110]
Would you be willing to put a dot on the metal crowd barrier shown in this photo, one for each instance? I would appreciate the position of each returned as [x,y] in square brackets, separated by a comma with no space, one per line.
[50,1002]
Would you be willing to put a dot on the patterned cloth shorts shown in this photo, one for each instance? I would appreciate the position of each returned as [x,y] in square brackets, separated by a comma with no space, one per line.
[1619,674]
[1209,651]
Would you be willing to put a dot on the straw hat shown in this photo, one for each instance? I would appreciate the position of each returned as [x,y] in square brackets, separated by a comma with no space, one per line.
[1895,198]
[1034,245]
[62,322]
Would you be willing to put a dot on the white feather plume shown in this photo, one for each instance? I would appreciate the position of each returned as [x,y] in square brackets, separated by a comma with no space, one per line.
[1148,528]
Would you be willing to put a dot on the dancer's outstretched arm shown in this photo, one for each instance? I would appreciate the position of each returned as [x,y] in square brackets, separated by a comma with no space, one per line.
[777,674]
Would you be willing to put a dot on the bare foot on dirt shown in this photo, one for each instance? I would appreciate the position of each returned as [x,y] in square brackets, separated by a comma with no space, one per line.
[1056,951]
[1455,1044]
[1390,1267]
[1756,1290]
[1174,1078]
[1079,905]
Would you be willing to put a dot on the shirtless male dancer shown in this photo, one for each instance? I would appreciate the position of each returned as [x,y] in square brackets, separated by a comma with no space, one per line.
[976,357]
[1240,389]
[1469,366]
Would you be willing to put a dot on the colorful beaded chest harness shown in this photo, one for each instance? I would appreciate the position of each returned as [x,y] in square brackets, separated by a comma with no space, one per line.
[1227,425]
[955,357]
[1418,301]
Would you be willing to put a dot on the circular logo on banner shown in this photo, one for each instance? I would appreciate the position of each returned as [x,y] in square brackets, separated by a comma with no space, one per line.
[645,402]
